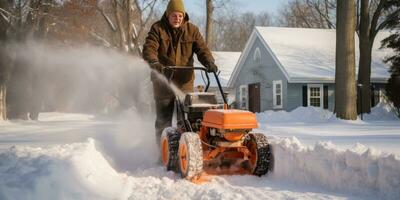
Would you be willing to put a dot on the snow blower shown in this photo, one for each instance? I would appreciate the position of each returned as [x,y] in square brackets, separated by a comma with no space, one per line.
[211,138]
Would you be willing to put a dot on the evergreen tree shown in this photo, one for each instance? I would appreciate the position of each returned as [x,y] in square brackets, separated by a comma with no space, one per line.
[393,42]
[393,86]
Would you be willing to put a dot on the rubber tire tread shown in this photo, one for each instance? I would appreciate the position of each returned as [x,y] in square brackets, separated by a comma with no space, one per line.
[173,137]
[195,154]
[264,154]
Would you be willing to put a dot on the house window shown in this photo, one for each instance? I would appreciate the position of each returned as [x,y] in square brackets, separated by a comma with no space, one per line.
[257,56]
[277,94]
[243,97]
[315,95]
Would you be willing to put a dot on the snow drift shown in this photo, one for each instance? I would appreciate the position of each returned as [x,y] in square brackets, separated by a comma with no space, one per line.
[75,171]
[81,171]
[300,114]
[360,170]
[381,112]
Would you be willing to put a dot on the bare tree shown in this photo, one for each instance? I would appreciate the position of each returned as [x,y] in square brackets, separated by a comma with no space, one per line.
[373,18]
[345,83]
[209,22]
[232,30]
[308,14]
[20,20]
[323,10]
[4,66]
[129,21]
[73,21]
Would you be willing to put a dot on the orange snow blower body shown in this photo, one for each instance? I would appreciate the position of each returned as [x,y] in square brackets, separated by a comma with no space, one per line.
[211,138]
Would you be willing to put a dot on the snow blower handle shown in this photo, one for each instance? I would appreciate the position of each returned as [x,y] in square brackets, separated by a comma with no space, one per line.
[172,69]
[169,72]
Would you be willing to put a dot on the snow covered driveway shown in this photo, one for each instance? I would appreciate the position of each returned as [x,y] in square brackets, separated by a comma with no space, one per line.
[379,130]
[73,156]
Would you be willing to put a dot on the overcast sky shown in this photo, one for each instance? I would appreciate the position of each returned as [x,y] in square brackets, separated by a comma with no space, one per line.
[271,6]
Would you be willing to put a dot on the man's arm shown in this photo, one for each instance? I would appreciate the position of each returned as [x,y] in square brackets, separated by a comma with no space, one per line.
[202,51]
[151,45]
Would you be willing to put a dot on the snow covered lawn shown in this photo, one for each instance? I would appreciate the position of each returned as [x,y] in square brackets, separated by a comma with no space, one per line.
[75,156]
[379,130]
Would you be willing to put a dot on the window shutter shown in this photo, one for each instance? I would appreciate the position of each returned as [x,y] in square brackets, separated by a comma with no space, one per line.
[326,97]
[305,103]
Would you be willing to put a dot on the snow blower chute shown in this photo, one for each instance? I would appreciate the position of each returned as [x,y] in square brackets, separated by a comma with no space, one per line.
[209,137]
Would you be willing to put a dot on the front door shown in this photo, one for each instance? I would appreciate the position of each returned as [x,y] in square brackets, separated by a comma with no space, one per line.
[254,97]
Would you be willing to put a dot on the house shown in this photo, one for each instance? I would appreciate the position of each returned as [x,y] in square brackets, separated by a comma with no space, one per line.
[284,68]
[226,62]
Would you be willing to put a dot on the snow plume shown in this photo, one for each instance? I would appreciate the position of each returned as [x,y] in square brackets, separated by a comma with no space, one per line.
[114,86]
[131,144]
[357,171]
[80,79]
[173,87]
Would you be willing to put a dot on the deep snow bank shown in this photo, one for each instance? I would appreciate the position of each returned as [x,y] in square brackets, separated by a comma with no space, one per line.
[357,171]
[80,171]
[381,112]
[300,114]
[75,171]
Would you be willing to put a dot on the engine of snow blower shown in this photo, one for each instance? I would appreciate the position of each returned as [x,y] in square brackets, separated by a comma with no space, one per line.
[212,138]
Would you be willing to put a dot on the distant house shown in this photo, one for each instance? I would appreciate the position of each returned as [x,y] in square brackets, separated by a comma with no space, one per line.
[226,62]
[284,68]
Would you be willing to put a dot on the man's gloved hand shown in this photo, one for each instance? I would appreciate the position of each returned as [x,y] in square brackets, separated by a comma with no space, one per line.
[212,68]
[157,66]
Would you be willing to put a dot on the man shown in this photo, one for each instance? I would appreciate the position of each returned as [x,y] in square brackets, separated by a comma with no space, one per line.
[172,42]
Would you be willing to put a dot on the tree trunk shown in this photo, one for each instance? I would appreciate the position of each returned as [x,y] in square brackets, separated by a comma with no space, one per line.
[209,25]
[364,75]
[18,90]
[129,28]
[364,70]
[3,105]
[121,29]
[345,83]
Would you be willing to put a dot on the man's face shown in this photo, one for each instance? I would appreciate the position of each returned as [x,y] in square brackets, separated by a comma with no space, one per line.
[175,19]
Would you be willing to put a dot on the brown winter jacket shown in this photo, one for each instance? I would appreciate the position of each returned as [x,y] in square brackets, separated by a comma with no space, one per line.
[175,47]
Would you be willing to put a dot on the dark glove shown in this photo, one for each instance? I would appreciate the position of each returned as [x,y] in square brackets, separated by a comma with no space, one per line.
[157,66]
[212,68]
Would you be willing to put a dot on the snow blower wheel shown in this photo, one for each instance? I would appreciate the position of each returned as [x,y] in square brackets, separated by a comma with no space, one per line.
[169,148]
[190,155]
[260,158]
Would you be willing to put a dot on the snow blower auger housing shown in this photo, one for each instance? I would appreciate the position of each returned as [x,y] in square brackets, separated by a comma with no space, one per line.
[211,138]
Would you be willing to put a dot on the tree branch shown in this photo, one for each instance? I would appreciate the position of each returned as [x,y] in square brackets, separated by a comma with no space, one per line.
[109,21]
[121,30]
[101,39]
[375,18]
[3,13]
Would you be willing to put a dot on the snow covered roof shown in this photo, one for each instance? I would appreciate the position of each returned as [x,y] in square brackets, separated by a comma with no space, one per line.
[308,55]
[226,62]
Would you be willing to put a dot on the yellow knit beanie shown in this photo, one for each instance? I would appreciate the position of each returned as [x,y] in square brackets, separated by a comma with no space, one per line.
[175,6]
